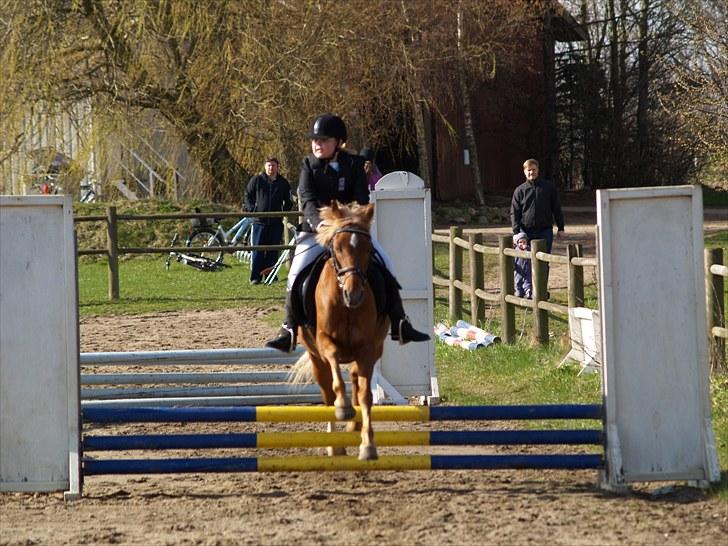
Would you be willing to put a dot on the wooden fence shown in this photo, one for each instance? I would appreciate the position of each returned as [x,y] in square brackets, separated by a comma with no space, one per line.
[455,282]
[475,290]
[508,302]
[113,251]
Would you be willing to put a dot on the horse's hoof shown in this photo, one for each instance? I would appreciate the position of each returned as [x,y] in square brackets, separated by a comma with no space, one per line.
[368,453]
[335,451]
[345,414]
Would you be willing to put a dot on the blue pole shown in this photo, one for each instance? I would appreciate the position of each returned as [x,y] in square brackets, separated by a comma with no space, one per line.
[551,411]
[401,462]
[250,440]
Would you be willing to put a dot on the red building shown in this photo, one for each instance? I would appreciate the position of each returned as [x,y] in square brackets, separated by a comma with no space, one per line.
[513,119]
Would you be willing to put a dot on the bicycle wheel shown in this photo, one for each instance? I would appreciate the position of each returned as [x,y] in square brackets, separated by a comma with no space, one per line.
[207,237]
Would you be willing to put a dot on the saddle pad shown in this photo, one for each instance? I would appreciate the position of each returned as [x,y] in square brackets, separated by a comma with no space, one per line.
[303,292]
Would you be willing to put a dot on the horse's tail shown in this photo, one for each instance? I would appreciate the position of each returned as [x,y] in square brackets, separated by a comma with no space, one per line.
[302,371]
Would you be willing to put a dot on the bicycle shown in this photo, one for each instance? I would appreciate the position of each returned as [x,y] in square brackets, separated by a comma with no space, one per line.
[204,235]
[270,275]
[202,263]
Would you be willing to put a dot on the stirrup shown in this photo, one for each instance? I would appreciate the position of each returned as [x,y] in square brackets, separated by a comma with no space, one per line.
[285,341]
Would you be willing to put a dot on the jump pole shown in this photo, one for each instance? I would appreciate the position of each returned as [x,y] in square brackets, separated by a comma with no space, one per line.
[287,414]
[341,439]
[323,463]
[279,414]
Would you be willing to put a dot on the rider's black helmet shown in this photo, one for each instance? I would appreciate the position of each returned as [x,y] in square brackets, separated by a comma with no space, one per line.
[328,125]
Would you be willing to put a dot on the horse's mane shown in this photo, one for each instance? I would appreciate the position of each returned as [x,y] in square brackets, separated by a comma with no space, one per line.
[339,216]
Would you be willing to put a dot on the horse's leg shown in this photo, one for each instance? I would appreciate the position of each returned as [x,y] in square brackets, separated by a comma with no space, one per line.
[344,411]
[367,449]
[354,425]
[322,375]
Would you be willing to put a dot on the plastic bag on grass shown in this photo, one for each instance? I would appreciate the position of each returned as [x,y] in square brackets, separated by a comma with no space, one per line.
[465,336]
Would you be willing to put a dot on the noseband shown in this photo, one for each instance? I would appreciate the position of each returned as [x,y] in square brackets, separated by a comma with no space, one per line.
[342,272]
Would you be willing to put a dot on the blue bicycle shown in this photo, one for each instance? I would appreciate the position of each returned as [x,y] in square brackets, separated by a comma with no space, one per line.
[203,234]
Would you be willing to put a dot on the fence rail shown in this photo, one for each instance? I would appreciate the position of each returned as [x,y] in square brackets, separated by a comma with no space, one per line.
[113,250]
[476,291]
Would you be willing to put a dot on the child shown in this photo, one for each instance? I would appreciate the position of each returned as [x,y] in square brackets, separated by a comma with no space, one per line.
[522,267]
[329,173]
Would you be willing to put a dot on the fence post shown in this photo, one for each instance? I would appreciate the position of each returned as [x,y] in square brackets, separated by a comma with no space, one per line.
[576,276]
[455,294]
[508,311]
[477,307]
[715,307]
[112,247]
[540,280]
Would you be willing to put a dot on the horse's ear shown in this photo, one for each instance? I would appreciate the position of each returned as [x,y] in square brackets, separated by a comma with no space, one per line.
[368,212]
[337,210]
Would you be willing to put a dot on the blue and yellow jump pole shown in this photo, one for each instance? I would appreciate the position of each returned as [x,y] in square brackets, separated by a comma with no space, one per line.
[289,414]
[278,414]
[272,440]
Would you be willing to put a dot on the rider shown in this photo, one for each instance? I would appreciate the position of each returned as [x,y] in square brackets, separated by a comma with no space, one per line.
[332,173]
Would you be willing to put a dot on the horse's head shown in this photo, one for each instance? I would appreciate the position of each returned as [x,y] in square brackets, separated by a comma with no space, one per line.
[345,232]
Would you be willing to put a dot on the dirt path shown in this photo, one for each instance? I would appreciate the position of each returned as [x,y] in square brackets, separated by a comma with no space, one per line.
[459,508]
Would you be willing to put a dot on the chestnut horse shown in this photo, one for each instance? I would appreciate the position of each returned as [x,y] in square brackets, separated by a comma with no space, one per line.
[348,328]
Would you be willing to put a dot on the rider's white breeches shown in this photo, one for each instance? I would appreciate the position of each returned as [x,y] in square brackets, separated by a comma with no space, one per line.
[307,250]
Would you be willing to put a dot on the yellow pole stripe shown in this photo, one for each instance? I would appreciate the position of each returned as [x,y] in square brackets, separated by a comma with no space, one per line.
[290,414]
[307,464]
[339,439]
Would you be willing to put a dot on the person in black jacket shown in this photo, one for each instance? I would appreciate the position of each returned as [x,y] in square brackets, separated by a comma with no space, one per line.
[330,173]
[535,207]
[266,192]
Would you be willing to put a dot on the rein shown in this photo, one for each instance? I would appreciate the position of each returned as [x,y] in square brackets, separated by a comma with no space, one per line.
[342,272]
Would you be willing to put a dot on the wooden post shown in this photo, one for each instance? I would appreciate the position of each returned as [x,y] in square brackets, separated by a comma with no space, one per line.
[715,307]
[112,247]
[477,307]
[286,231]
[455,295]
[576,276]
[508,311]
[540,272]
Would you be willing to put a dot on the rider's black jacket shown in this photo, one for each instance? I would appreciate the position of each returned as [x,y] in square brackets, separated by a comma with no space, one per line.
[319,184]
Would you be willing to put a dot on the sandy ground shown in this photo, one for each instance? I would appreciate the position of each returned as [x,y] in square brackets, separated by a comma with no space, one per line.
[416,507]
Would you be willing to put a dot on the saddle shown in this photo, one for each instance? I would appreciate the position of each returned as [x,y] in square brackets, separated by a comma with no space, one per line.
[303,291]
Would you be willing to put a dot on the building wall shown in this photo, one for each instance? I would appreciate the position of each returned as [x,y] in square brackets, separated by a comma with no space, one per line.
[509,122]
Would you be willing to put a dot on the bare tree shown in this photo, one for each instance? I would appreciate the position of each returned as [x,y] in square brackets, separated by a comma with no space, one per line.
[235,80]
[611,92]
[698,96]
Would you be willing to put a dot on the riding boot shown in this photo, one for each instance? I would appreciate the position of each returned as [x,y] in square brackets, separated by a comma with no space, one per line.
[401,327]
[286,339]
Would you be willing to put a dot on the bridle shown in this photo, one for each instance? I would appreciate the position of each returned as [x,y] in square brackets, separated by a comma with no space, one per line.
[342,272]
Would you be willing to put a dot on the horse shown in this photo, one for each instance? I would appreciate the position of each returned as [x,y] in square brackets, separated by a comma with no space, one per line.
[349,328]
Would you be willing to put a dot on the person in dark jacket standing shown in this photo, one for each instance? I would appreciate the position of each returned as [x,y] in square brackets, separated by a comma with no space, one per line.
[535,207]
[266,192]
[330,173]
